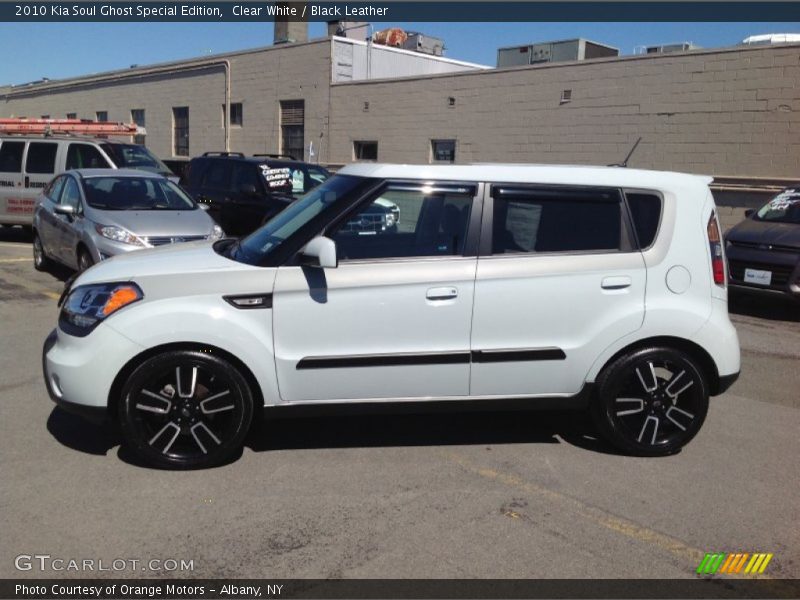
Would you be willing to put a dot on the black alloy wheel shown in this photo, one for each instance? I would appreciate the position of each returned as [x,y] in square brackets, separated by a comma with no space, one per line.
[185,409]
[651,402]
[40,260]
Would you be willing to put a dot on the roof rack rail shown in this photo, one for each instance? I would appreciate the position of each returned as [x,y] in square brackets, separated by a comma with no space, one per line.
[289,156]
[213,153]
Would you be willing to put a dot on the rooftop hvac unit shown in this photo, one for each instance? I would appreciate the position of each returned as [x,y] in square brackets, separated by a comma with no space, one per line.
[666,48]
[565,50]
[424,44]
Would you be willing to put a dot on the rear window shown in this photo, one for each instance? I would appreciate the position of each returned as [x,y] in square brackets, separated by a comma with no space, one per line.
[535,221]
[11,157]
[646,214]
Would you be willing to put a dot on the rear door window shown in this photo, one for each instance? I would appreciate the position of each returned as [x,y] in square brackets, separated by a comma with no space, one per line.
[41,157]
[11,157]
[556,220]
[218,175]
[246,174]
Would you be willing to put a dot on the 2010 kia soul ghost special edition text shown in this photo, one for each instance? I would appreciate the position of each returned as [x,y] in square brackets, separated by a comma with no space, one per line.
[565,286]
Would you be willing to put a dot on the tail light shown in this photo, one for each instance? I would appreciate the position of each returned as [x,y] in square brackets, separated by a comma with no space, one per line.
[715,248]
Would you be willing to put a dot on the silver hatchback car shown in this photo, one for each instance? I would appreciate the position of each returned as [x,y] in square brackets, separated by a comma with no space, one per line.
[87,215]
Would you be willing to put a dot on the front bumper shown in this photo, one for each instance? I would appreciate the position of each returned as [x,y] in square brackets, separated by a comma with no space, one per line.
[79,372]
[784,268]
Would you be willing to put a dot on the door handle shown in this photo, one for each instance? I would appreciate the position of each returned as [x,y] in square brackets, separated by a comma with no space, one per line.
[619,282]
[442,293]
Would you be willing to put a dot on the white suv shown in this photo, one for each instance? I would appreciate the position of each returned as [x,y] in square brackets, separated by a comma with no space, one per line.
[538,285]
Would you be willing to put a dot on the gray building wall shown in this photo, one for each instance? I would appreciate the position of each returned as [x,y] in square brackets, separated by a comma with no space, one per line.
[260,79]
[733,112]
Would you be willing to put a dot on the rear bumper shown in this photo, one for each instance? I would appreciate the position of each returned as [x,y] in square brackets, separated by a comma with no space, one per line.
[725,383]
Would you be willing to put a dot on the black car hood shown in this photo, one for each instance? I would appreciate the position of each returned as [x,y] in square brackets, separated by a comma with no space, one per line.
[751,231]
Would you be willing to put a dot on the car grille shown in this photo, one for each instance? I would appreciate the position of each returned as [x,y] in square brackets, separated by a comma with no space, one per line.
[771,247]
[780,273]
[163,241]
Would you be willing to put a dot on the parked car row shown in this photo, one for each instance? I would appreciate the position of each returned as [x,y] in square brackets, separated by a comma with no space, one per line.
[80,213]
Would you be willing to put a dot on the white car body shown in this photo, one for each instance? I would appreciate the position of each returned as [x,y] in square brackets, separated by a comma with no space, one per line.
[472,310]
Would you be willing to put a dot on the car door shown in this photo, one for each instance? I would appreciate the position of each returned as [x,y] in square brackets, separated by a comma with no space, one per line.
[215,193]
[393,319]
[247,205]
[558,281]
[46,218]
[13,206]
[66,226]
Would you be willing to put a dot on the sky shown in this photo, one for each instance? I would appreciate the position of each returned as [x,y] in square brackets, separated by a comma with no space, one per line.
[56,50]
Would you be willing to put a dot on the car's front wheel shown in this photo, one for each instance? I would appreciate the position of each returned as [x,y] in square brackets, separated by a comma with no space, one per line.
[651,402]
[185,409]
[40,260]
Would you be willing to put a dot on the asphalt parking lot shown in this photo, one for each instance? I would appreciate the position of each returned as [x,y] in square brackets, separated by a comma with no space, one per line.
[498,495]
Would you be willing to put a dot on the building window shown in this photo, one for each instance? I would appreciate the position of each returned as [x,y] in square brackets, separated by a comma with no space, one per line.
[237,115]
[180,130]
[365,150]
[137,116]
[72,115]
[45,117]
[293,115]
[102,115]
[566,96]
[443,151]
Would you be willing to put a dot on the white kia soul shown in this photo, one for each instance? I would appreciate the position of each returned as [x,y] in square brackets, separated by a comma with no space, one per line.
[538,285]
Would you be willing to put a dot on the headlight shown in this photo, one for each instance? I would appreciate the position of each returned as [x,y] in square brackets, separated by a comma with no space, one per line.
[216,233]
[390,219]
[87,305]
[118,234]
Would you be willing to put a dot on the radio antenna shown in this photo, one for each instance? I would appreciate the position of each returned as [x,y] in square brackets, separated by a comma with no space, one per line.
[624,163]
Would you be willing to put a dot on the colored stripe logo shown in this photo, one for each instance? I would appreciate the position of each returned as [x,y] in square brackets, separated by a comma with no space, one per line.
[733,563]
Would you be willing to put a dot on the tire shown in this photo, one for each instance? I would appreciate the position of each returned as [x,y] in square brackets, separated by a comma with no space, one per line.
[651,402]
[40,260]
[198,422]
[85,260]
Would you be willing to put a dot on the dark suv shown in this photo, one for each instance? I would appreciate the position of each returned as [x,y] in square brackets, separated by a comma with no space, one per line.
[242,193]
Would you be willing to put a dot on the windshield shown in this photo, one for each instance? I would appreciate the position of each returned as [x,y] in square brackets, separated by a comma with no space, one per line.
[783,208]
[135,193]
[276,231]
[133,156]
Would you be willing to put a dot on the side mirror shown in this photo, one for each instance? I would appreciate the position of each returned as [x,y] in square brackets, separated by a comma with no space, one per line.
[248,189]
[749,212]
[64,209]
[319,252]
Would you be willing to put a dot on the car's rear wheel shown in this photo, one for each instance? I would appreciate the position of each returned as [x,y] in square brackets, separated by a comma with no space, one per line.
[40,260]
[185,409]
[651,402]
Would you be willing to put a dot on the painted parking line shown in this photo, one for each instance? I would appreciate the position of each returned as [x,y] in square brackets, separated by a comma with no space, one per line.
[598,516]
[16,260]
